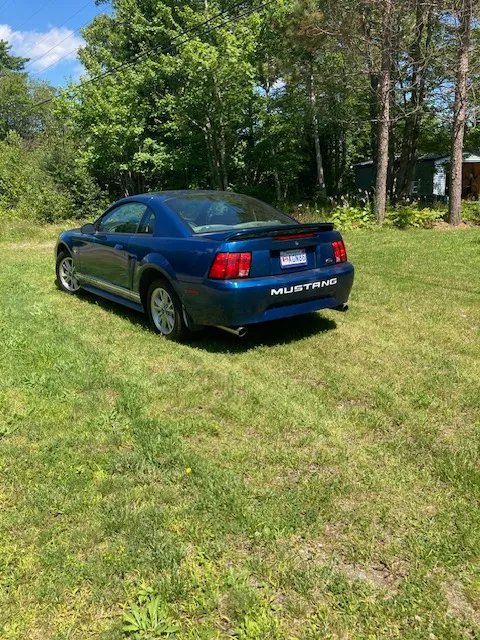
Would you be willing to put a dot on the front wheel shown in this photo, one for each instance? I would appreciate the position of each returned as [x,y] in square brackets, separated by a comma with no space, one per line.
[165,312]
[67,279]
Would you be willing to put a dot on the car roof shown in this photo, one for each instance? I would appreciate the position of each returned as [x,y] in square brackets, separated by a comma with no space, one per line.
[163,196]
[177,193]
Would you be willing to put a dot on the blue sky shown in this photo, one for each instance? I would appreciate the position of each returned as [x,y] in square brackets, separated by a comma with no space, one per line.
[46,31]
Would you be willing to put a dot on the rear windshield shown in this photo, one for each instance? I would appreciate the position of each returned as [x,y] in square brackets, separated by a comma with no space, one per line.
[205,213]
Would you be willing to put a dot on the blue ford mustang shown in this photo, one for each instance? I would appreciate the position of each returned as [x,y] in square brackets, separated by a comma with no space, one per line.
[195,258]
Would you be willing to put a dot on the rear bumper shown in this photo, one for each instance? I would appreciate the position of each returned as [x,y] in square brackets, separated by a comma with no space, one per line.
[241,302]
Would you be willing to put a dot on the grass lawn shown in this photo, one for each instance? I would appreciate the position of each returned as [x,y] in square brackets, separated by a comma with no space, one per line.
[320,479]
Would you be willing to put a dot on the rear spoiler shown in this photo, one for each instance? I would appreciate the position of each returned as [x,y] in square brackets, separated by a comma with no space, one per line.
[285,229]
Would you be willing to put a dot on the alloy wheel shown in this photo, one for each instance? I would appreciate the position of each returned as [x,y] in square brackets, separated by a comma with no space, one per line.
[163,311]
[68,275]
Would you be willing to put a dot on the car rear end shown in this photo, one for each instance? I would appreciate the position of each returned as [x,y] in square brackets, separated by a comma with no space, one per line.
[264,275]
[260,264]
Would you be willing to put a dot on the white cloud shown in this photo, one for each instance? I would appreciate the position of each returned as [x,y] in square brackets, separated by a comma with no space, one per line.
[43,49]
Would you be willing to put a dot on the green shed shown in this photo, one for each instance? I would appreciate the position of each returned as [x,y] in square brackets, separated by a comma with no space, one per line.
[431,176]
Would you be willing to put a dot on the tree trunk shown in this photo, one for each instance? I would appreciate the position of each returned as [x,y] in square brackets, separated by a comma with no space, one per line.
[212,155]
[384,115]
[342,162]
[420,67]
[221,137]
[278,187]
[316,138]
[373,80]
[460,113]
[223,163]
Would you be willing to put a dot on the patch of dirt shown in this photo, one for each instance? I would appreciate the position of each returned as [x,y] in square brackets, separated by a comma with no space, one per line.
[111,395]
[458,603]
[444,226]
[294,476]
[379,577]
[39,633]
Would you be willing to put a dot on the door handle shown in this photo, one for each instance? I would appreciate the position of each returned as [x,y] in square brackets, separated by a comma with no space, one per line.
[118,246]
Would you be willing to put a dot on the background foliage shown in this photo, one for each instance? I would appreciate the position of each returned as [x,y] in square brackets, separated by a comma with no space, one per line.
[278,102]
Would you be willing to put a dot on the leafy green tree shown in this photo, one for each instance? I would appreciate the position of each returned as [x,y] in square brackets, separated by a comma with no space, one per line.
[9,62]
[18,95]
[177,116]
[279,103]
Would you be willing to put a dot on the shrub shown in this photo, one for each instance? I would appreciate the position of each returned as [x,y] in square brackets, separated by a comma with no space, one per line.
[344,217]
[36,184]
[26,189]
[413,215]
[347,218]
[306,212]
[471,212]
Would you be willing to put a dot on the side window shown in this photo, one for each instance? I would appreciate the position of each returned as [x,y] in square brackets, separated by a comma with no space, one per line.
[123,219]
[147,225]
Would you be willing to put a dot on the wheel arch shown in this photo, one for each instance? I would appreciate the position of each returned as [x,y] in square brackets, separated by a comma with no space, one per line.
[62,247]
[149,275]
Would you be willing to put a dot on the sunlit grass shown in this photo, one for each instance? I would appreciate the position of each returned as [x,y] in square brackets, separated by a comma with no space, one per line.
[319,479]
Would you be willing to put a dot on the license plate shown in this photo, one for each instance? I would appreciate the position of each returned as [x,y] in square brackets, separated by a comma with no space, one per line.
[293,258]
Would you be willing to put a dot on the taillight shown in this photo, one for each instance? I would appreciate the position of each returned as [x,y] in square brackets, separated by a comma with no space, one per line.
[227,266]
[339,251]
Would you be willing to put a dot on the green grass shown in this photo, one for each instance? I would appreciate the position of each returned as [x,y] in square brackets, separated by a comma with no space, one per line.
[13,229]
[334,489]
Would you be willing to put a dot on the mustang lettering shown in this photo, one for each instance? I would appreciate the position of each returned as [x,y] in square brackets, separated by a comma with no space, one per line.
[298,288]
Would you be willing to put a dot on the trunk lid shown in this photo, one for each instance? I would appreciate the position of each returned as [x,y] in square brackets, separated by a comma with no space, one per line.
[283,250]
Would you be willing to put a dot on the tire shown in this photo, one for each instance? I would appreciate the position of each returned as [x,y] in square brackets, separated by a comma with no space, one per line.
[66,274]
[165,312]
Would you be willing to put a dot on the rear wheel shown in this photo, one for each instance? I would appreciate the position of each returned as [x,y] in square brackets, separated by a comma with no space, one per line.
[165,312]
[67,279]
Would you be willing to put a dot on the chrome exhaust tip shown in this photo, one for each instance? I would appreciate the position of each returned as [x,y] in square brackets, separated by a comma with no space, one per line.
[342,307]
[241,332]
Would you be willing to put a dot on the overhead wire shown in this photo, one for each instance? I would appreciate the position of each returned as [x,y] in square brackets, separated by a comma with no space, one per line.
[153,49]
[30,62]
[179,35]
[173,43]
[45,4]
[138,57]
[66,55]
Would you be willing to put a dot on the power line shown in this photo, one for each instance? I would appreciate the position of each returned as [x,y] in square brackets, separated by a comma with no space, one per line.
[57,45]
[5,4]
[135,59]
[154,48]
[138,57]
[69,53]
[33,15]
[59,27]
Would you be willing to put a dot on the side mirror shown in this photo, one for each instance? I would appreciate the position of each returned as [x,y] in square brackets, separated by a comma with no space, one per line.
[87,228]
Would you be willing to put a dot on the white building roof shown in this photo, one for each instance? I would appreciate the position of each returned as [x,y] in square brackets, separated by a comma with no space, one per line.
[468,157]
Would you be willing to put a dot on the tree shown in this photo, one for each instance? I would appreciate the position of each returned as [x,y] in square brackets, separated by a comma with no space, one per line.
[320,56]
[417,71]
[178,116]
[384,112]
[9,62]
[18,94]
[464,14]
